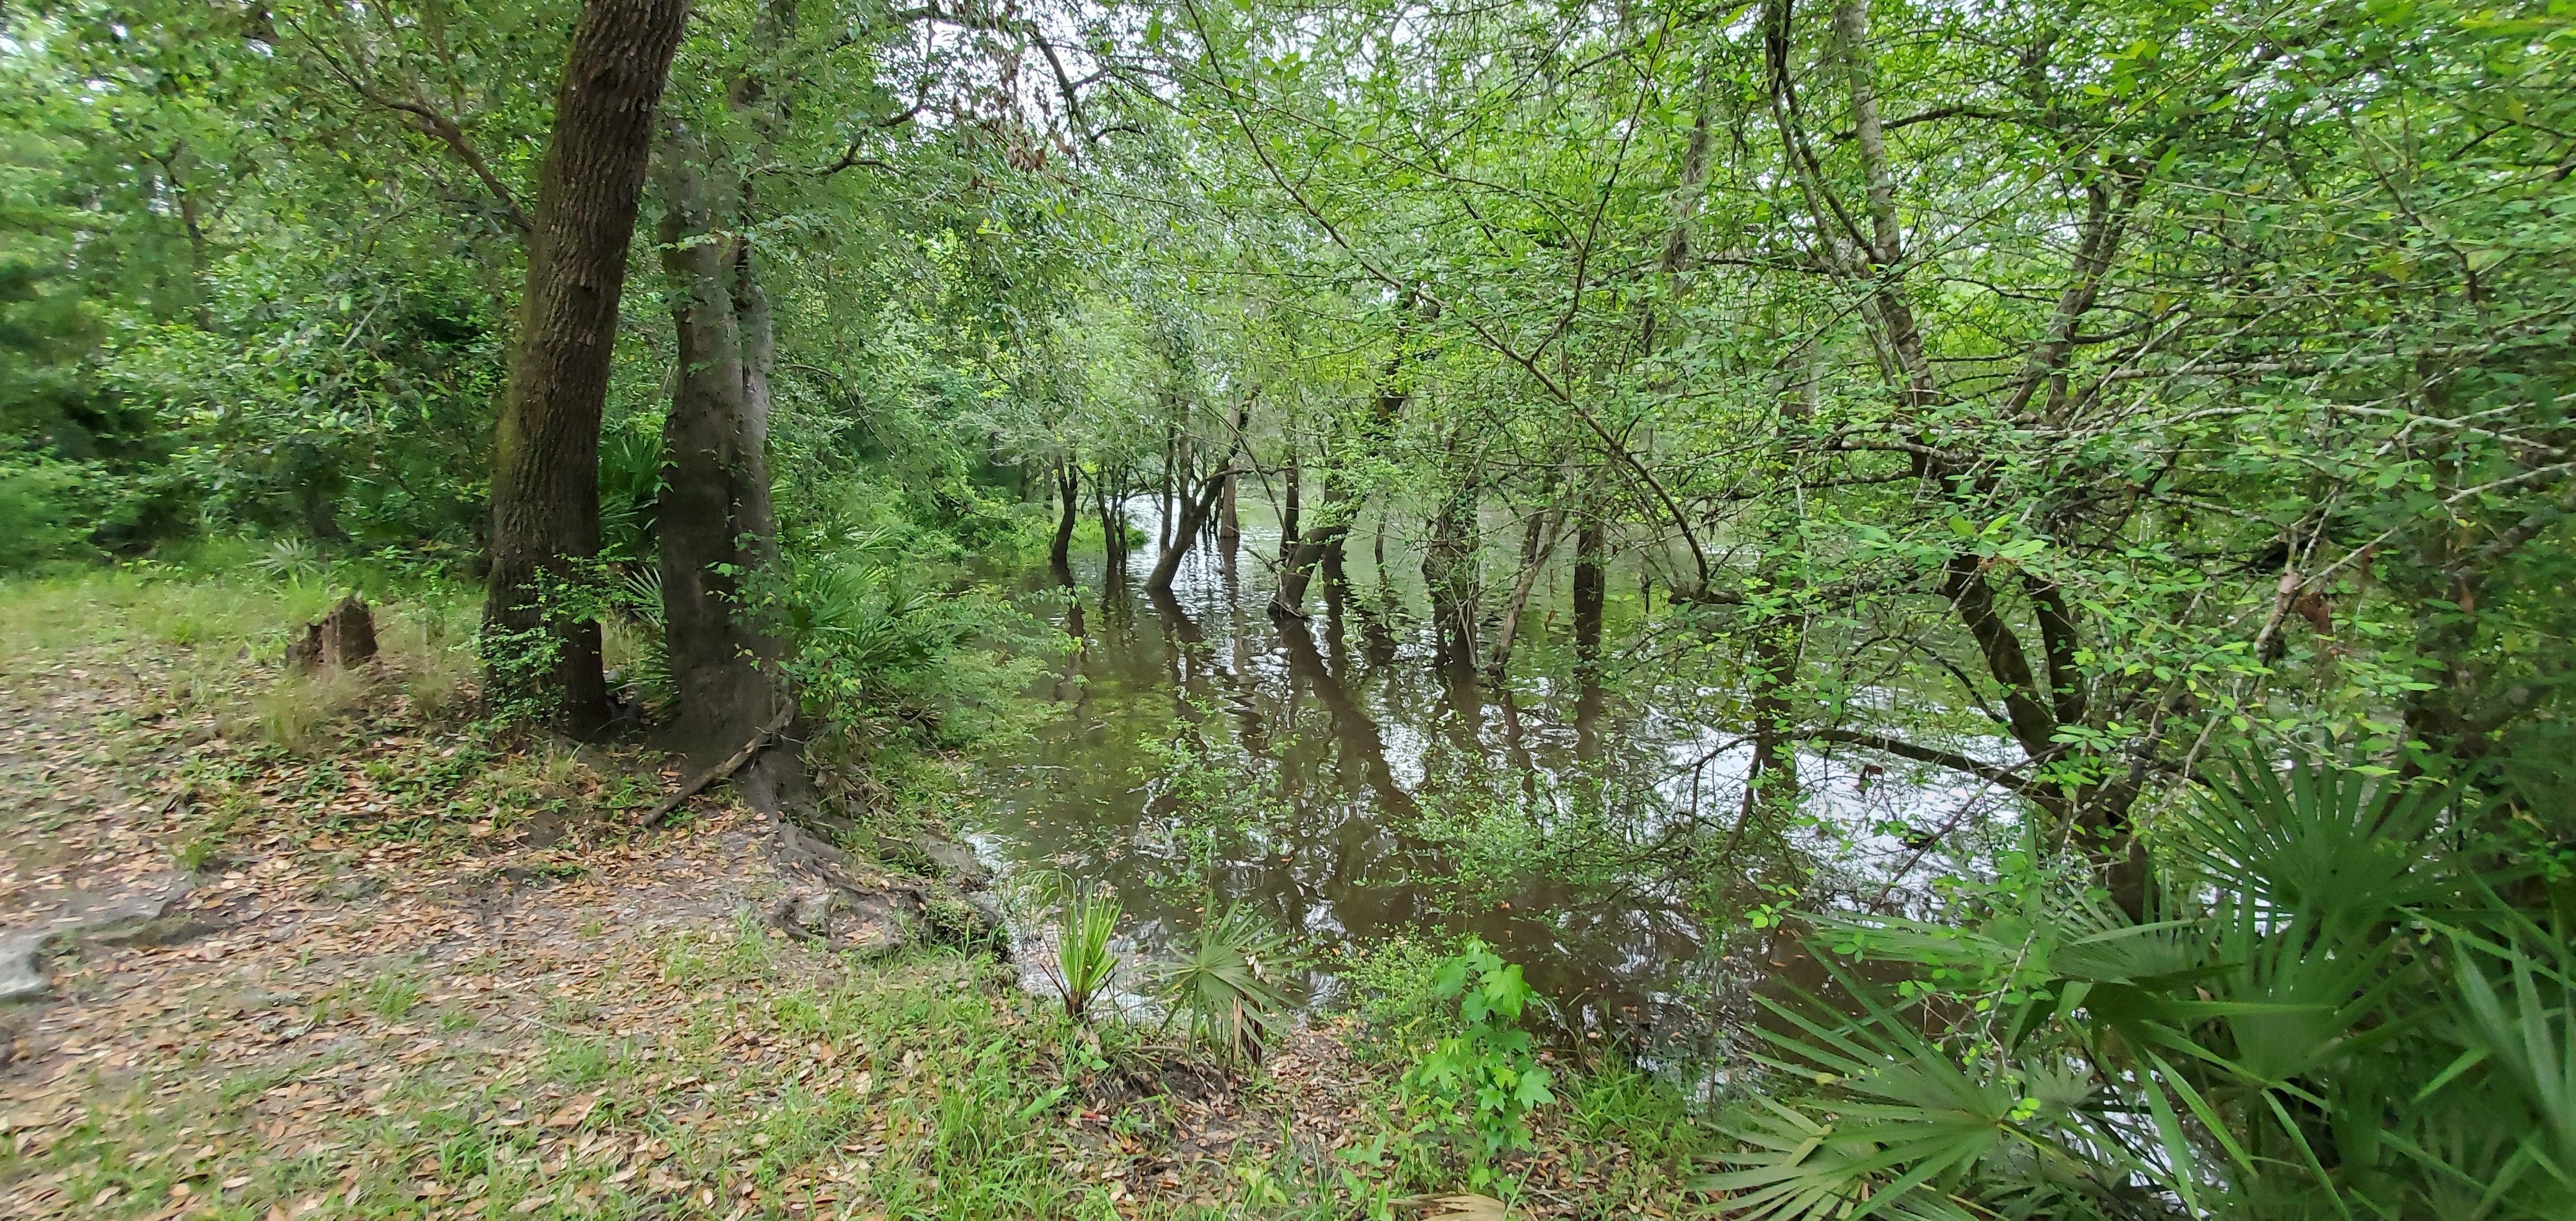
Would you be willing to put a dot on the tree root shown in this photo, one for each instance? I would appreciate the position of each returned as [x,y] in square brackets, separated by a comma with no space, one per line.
[733,763]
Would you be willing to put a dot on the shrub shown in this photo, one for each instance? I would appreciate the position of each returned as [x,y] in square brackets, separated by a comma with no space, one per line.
[881,652]
[35,514]
[1483,1076]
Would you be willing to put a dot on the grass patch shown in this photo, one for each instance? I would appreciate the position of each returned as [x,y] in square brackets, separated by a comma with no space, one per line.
[392,997]
[920,1088]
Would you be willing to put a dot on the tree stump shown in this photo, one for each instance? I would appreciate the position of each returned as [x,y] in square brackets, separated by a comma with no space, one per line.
[345,638]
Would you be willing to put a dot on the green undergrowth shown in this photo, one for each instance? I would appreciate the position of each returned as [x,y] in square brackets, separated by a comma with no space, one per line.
[727,1076]
[714,1072]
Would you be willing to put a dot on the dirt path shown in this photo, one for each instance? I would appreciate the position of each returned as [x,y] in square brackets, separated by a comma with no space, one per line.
[297,953]
[77,859]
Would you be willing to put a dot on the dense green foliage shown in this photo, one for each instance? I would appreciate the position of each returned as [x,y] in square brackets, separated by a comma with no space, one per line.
[261,265]
[2336,1012]
[2058,397]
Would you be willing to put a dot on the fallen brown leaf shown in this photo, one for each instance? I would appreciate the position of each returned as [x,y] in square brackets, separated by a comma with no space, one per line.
[1464,1206]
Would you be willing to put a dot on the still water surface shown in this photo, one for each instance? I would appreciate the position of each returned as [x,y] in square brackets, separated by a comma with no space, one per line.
[1342,738]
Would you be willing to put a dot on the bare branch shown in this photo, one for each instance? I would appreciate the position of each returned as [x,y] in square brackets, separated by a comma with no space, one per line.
[434,123]
[2001,777]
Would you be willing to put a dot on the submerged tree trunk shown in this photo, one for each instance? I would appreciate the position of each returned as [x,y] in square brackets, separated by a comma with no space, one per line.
[1288,511]
[1772,778]
[1067,479]
[1591,587]
[1163,499]
[1193,519]
[1449,568]
[1449,560]
[545,451]
[1591,584]
[1299,557]
[1113,519]
[1538,542]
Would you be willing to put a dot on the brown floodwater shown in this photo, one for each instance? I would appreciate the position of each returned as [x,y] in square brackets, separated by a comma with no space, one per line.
[1341,777]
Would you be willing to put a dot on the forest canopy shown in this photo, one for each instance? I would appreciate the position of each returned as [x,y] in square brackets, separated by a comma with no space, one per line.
[2107,403]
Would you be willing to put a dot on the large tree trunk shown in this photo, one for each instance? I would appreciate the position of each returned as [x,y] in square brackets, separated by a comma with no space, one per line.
[719,537]
[719,534]
[545,452]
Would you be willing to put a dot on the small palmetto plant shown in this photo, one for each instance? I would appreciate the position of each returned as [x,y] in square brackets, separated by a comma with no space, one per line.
[1084,962]
[291,558]
[2337,1015]
[1223,983]
[636,638]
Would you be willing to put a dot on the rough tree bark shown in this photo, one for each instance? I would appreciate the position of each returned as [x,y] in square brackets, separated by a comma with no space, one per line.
[545,452]
[718,533]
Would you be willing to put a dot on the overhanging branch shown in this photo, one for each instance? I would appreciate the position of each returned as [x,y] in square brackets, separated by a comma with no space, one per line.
[2000,777]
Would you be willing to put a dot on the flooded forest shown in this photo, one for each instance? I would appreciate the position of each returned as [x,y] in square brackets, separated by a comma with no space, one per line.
[1799,609]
